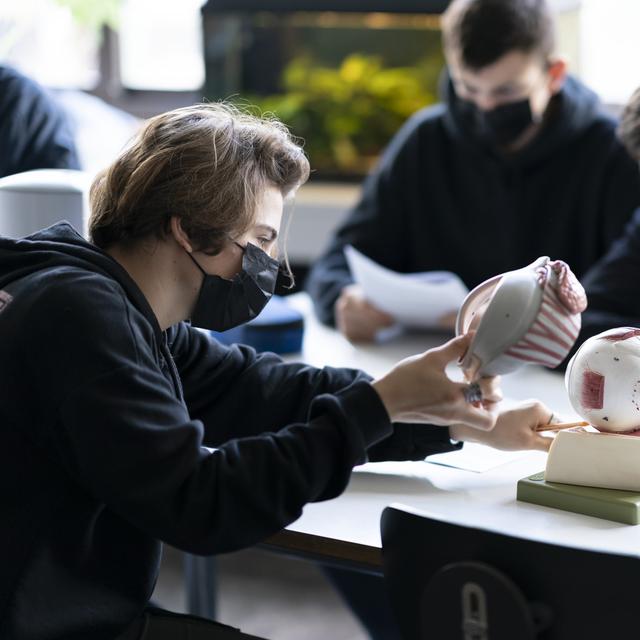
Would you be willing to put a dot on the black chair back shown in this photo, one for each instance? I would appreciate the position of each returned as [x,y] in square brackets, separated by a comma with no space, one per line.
[447,581]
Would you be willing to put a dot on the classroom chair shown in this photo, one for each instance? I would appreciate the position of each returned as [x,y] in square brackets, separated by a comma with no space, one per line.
[450,581]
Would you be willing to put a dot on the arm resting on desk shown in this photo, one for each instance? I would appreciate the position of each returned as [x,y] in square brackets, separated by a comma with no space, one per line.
[412,442]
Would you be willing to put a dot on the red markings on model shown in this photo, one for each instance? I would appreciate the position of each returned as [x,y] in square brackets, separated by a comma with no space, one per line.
[592,396]
[625,334]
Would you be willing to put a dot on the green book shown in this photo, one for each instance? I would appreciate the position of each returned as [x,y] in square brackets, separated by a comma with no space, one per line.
[610,504]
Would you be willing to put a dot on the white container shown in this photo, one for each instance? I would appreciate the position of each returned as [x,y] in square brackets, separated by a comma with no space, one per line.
[33,200]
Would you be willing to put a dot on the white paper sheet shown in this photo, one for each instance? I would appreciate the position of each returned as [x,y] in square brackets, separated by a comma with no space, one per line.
[476,457]
[472,457]
[416,300]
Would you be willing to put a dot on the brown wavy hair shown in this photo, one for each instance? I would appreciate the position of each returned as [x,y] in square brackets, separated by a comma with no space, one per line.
[207,164]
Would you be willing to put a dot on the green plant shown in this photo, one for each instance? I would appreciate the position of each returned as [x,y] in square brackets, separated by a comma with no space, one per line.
[346,115]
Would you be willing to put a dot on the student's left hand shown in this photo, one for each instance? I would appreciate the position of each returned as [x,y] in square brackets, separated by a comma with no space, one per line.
[515,429]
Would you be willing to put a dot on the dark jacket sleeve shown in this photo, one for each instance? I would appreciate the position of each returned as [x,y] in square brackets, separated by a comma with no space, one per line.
[377,226]
[613,287]
[34,130]
[259,393]
[113,420]
[620,195]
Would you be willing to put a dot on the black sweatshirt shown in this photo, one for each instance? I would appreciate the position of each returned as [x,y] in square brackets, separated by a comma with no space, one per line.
[34,131]
[439,199]
[103,423]
[613,286]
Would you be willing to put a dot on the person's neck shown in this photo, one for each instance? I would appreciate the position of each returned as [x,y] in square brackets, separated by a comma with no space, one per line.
[153,267]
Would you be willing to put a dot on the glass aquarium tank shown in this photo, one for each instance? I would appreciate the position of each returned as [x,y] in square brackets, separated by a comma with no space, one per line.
[344,79]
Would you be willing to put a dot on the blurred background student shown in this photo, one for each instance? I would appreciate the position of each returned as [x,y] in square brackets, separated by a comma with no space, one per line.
[34,130]
[518,161]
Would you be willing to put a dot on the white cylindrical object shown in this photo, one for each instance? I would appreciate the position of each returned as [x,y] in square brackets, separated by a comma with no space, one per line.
[605,460]
[33,200]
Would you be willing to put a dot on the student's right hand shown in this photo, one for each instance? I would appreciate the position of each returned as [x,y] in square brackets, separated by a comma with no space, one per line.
[356,318]
[418,389]
[516,429]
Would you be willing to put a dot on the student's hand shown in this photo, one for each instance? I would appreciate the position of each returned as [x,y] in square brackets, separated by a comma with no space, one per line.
[515,429]
[418,389]
[356,318]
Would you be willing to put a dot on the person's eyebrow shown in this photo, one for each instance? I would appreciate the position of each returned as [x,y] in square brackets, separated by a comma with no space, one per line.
[273,234]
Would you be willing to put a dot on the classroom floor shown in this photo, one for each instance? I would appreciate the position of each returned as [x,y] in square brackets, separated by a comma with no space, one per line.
[267,595]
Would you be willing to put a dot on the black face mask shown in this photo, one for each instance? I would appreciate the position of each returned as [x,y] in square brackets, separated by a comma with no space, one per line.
[500,126]
[223,304]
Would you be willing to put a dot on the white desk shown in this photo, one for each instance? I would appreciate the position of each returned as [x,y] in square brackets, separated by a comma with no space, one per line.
[347,530]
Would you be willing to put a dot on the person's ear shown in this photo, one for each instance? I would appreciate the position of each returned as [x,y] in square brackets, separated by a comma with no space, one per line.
[557,74]
[179,235]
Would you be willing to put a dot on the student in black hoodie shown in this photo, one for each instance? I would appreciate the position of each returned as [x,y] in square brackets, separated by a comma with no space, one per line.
[110,399]
[518,161]
[34,131]
[613,284]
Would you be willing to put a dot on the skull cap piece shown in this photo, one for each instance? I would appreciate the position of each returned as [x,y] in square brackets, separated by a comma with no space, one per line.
[527,316]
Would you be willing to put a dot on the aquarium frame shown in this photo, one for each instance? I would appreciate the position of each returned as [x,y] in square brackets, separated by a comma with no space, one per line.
[344,6]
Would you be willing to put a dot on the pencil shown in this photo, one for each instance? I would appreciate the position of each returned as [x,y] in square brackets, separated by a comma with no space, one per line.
[558,426]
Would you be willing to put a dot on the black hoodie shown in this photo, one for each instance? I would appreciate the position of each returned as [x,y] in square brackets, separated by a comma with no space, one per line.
[34,131]
[104,420]
[441,199]
[613,286]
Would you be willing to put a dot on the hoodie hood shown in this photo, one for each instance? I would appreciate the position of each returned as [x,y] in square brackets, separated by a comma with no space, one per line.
[60,245]
[570,112]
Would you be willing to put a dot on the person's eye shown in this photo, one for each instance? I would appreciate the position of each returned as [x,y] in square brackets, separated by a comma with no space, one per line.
[508,92]
[264,242]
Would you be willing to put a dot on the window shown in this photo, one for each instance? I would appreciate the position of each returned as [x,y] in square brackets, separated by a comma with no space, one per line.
[610,47]
[44,41]
[161,45]
[161,42]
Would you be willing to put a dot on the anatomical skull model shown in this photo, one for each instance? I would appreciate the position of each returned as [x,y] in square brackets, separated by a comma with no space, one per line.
[603,380]
[527,316]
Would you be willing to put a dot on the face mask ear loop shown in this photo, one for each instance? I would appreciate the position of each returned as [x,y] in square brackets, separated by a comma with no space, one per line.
[204,273]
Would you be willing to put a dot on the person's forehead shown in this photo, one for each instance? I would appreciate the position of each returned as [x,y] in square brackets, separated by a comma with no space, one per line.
[269,210]
[514,67]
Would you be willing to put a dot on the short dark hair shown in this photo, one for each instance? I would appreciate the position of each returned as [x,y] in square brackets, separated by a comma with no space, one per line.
[482,31]
[629,129]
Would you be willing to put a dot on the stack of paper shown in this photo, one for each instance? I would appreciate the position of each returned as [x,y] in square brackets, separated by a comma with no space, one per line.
[417,300]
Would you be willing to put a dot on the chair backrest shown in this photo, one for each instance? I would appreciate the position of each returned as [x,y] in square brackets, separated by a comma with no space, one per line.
[33,200]
[447,581]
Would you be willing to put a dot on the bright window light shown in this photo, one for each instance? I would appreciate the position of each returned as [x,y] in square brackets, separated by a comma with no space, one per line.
[610,47]
[161,45]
